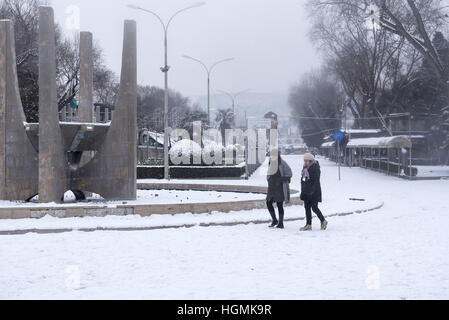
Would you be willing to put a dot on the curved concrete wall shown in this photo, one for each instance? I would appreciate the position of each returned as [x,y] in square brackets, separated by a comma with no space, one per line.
[149,209]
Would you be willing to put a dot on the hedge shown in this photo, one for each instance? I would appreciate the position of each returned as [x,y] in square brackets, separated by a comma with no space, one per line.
[180,172]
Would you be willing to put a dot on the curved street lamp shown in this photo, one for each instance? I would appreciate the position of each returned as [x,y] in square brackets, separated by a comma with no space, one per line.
[165,70]
[208,71]
[233,96]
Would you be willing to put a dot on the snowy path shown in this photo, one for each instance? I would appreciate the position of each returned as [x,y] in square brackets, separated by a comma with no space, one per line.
[397,252]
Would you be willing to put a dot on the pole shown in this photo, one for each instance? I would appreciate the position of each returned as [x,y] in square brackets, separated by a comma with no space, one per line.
[346,132]
[246,159]
[338,159]
[166,128]
[410,137]
[209,72]
[208,99]
[165,69]
[233,97]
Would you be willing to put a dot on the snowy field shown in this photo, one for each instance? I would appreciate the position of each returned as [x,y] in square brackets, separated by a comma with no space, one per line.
[397,252]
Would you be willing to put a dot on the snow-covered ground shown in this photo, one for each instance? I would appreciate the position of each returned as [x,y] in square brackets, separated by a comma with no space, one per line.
[397,252]
[433,171]
[49,223]
[333,204]
[149,197]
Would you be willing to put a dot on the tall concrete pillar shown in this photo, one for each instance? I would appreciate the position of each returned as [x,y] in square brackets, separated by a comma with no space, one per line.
[4,26]
[85,108]
[106,115]
[18,157]
[52,158]
[63,114]
[125,115]
[97,114]
[112,172]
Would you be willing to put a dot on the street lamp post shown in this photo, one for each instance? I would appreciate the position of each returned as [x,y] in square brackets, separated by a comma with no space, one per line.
[233,97]
[209,72]
[165,70]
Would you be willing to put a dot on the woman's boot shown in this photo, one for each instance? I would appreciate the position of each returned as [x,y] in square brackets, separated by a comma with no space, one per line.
[273,224]
[273,217]
[324,225]
[281,221]
[307,227]
[272,214]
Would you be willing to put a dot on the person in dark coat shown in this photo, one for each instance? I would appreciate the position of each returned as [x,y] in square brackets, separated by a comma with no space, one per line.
[278,189]
[311,191]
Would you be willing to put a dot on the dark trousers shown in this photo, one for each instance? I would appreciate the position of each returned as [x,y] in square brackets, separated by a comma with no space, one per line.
[309,206]
[272,212]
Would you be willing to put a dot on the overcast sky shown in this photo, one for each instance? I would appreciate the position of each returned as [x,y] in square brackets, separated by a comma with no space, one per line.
[268,39]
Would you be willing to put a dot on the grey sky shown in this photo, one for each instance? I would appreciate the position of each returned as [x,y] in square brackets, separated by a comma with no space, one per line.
[268,38]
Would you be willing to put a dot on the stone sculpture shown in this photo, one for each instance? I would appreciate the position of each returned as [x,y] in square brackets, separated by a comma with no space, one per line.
[51,157]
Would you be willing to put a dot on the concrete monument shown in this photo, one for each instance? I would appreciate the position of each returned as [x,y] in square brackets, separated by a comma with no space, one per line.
[51,157]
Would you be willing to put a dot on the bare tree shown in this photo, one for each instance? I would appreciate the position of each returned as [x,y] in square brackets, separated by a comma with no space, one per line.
[150,109]
[24,14]
[427,16]
[412,24]
[316,102]
[366,59]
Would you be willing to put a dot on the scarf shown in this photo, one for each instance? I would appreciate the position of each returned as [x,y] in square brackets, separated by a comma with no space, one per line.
[305,171]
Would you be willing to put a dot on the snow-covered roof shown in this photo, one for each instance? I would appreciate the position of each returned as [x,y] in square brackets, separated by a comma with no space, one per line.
[377,142]
[329,144]
[158,137]
[363,131]
[357,131]
[382,142]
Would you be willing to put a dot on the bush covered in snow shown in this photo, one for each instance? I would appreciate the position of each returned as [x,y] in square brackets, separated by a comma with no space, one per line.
[214,150]
[185,151]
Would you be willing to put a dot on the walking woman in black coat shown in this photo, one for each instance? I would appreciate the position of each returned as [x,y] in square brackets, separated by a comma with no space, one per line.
[278,189]
[311,191]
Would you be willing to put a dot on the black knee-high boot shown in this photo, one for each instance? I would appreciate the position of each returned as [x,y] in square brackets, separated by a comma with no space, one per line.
[272,214]
[281,215]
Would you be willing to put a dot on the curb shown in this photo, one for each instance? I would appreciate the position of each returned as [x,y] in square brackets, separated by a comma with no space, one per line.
[203,225]
[144,210]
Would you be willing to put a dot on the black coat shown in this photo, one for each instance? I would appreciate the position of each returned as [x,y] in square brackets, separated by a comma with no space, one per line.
[311,188]
[275,188]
